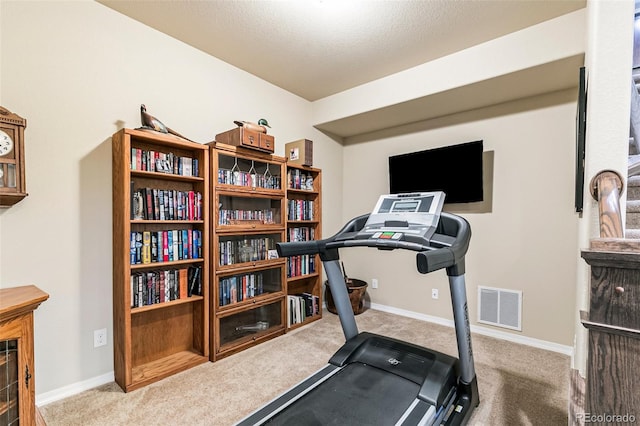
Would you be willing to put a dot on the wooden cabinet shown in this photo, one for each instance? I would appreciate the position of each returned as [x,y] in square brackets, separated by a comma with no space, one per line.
[613,321]
[248,281]
[160,256]
[17,369]
[251,139]
[304,218]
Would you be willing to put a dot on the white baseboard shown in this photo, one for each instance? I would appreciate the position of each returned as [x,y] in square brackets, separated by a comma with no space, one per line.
[73,389]
[485,331]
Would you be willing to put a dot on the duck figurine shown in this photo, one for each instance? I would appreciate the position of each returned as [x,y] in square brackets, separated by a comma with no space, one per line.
[150,122]
[260,126]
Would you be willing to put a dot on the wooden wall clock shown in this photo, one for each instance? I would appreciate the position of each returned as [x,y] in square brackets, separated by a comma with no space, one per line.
[12,174]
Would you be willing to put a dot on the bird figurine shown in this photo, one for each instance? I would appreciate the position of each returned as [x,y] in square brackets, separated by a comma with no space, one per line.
[260,126]
[150,122]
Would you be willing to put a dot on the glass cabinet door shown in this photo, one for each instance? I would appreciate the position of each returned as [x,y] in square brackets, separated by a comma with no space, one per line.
[250,324]
[9,406]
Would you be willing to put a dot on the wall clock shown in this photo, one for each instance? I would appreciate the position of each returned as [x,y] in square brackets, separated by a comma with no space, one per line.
[12,172]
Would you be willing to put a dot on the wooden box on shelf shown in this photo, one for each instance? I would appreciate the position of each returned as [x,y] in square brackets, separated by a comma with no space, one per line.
[17,367]
[160,256]
[248,279]
[304,219]
[243,137]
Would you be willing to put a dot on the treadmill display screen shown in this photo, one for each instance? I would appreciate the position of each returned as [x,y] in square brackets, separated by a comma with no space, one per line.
[408,205]
[405,206]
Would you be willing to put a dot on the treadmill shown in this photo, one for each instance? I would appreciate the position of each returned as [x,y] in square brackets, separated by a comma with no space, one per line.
[378,380]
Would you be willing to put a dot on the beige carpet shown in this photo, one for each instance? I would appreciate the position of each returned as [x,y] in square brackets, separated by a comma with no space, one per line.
[519,385]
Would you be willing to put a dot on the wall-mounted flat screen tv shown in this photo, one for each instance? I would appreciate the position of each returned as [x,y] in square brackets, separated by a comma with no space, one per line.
[454,169]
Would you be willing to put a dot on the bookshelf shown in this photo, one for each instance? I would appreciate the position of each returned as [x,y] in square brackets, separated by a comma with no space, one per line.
[160,256]
[248,280]
[304,218]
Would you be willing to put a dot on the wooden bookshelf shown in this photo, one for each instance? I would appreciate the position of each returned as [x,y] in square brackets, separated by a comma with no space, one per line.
[304,222]
[160,308]
[248,282]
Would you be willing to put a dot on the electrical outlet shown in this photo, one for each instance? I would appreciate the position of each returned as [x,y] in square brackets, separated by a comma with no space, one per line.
[434,293]
[99,337]
[374,283]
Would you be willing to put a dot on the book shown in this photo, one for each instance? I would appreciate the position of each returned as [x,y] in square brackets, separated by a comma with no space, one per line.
[146,247]
[183,280]
[195,280]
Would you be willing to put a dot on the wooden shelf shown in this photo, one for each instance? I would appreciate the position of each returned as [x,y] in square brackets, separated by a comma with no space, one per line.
[153,341]
[309,282]
[155,265]
[153,371]
[292,280]
[249,292]
[165,305]
[165,176]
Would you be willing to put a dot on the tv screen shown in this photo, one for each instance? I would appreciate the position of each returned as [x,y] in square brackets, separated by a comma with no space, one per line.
[581,130]
[456,170]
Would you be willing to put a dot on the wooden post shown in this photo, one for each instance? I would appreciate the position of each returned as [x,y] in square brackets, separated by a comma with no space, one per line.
[606,188]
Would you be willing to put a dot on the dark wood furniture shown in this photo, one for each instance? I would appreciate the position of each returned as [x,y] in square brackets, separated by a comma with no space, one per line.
[17,368]
[613,320]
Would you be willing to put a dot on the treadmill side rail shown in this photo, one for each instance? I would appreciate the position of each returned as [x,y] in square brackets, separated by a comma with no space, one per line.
[281,402]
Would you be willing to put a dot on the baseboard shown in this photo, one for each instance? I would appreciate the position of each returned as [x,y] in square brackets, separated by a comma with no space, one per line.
[73,389]
[485,331]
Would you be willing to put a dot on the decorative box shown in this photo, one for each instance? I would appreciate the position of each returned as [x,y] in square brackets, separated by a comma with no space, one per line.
[248,139]
[300,152]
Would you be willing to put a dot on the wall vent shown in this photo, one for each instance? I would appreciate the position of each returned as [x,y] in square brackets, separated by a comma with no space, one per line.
[500,307]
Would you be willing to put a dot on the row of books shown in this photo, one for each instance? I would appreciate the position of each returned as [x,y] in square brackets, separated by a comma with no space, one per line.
[300,209]
[166,204]
[247,250]
[240,287]
[163,162]
[297,179]
[301,265]
[152,287]
[301,233]
[165,246]
[249,179]
[301,307]
[228,217]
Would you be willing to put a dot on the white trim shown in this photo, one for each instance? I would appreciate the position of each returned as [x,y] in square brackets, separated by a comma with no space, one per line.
[73,389]
[76,388]
[485,331]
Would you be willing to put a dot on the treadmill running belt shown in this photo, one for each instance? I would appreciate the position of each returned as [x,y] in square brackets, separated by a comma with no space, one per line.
[357,395]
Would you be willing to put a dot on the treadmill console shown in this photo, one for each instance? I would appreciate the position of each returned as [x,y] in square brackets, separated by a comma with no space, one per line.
[404,217]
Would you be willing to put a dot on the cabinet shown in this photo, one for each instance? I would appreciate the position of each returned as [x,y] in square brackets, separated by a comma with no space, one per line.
[613,321]
[248,281]
[17,369]
[241,136]
[160,256]
[304,218]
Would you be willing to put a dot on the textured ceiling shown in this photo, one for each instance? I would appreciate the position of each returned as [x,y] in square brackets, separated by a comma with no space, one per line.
[316,48]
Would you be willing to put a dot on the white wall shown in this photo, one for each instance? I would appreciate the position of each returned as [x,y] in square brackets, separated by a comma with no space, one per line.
[78,71]
[526,242]
[608,62]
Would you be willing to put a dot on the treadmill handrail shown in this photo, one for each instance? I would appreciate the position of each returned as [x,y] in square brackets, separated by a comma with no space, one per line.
[447,248]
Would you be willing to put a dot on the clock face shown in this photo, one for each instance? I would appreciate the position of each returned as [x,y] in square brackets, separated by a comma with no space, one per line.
[6,143]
